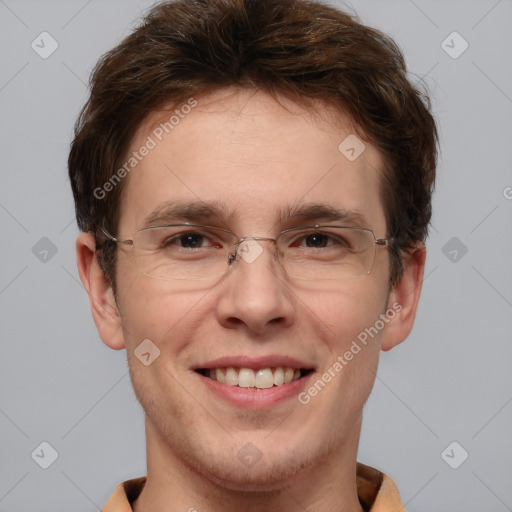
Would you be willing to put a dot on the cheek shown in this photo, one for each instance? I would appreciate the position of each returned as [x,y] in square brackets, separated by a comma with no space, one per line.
[350,352]
[170,318]
[170,314]
[345,309]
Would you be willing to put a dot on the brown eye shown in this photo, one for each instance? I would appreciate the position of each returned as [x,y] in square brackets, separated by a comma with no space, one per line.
[317,240]
[190,240]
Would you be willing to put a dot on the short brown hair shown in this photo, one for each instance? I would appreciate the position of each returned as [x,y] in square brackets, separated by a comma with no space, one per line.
[302,49]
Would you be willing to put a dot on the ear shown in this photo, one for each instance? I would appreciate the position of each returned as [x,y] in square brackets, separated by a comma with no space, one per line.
[103,305]
[404,298]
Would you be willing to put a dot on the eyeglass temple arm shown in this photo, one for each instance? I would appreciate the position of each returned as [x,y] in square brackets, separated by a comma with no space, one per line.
[384,241]
[108,236]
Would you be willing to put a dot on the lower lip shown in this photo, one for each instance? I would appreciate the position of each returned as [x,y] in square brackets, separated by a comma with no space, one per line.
[254,398]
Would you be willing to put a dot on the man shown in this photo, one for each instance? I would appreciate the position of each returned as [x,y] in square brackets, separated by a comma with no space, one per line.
[253,181]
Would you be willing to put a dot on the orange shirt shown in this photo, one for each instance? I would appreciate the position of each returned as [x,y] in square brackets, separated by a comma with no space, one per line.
[376,491]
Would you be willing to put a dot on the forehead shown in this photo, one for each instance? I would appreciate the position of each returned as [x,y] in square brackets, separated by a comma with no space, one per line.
[252,157]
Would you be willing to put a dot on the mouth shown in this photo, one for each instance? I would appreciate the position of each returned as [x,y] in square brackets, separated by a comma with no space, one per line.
[255,383]
[262,378]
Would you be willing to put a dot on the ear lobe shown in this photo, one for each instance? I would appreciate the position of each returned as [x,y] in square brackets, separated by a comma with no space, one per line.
[101,297]
[405,296]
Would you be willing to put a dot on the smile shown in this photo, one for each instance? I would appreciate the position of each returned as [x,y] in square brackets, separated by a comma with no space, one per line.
[263,378]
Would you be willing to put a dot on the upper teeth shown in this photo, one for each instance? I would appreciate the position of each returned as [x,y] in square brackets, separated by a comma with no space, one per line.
[248,378]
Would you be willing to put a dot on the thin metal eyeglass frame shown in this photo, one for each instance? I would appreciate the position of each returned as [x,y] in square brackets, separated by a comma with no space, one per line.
[383,242]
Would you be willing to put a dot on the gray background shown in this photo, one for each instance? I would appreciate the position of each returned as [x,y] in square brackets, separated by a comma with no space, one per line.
[451,381]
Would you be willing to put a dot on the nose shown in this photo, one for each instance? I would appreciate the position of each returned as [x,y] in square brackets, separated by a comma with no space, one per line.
[254,295]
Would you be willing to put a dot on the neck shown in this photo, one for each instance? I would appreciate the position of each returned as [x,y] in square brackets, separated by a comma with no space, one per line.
[326,483]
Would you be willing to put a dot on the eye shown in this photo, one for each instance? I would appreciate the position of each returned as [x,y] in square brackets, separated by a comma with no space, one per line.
[320,240]
[317,240]
[191,240]
[188,240]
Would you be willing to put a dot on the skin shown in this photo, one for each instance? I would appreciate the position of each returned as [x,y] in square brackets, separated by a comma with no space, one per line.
[243,149]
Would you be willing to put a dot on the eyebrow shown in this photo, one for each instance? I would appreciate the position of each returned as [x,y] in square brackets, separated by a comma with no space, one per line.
[316,212]
[196,211]
[200,211]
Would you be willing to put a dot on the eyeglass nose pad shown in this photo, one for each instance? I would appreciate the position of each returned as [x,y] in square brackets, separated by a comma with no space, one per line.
[248,248]
[232,257]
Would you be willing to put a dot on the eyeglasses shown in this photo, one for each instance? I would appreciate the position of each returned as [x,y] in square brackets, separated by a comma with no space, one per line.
[194,252]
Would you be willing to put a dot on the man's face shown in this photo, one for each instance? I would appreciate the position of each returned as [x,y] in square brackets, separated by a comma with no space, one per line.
[247,153]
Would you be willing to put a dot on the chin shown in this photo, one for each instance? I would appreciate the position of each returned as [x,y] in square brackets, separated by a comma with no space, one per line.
[264,476]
